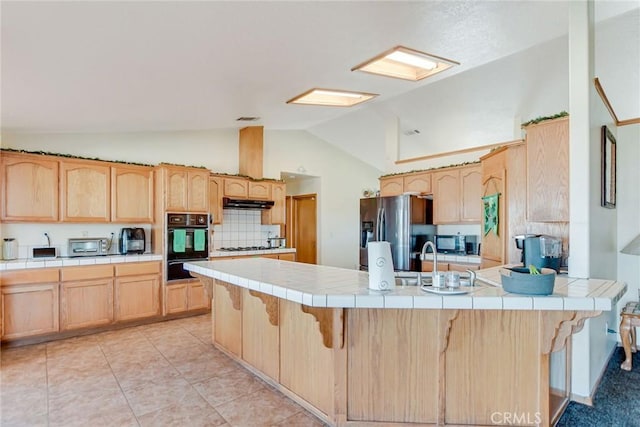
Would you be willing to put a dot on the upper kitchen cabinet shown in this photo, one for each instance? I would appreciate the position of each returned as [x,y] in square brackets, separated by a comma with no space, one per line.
[236,187]
[391,186]
[260,190]
[216,185]
[278,213]
[29,187]
[457,195]
[131,193]
[85,194]
[417,183]
[548,171]
[186,189]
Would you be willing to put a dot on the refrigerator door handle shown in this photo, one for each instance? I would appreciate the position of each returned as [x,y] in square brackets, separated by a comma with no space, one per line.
[378,215]
[382,225]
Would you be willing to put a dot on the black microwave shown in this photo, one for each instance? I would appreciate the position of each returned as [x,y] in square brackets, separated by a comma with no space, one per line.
[457,244]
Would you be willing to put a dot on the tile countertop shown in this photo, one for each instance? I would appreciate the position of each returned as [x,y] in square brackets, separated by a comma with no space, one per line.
[19,264]
[322,286]
[222,254]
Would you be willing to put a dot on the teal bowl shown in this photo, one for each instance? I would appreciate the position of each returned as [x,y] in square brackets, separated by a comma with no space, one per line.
[517,280]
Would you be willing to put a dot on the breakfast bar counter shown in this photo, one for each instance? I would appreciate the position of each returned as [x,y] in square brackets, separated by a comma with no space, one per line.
[355,356]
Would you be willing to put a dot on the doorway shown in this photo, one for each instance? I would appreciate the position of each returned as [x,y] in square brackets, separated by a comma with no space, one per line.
[302,226]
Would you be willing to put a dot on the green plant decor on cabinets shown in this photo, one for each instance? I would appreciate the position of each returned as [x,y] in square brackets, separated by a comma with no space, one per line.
[490,211]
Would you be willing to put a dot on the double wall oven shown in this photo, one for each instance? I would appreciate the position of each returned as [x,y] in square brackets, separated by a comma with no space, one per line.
[187,240]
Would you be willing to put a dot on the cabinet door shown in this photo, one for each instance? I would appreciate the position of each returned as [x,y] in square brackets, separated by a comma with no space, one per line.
[175,300]
[463,267]
[85,191]
[29,310]
[227,325]
[548,171]
[215,199]
[391,186]
[289,256]
[86,303]
[29,188]
[236,187]
[198,191]
[446,197]
[131,194]
[137,297]
[176,190]
[427,266]
[197,297]
[260,332]
[260,190]
[420,182]
[277,215]
[493,181]
[471,192]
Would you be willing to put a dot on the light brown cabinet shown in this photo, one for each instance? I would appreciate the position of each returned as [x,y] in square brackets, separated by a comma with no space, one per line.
[187,295]
[261,332]
[417,183]
[131,193]
[427,266]
[260,190]
[215,199]
[86,296]
[548,171]
[391,186]
[277,215]
[186,189]
[227,328]
[29,303]
[29,188]
[137,290]
[457,195]
[236,187]
[85,191]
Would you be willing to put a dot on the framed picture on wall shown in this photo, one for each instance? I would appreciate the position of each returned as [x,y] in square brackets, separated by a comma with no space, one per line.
[608,166]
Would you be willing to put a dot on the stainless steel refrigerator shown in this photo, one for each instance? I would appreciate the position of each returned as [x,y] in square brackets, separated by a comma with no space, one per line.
[403,221]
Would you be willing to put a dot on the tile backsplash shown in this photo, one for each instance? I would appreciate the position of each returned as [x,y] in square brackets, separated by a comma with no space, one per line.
[31,236]
[242,228]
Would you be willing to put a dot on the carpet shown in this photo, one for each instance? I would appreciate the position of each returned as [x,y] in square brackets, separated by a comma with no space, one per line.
[616,402]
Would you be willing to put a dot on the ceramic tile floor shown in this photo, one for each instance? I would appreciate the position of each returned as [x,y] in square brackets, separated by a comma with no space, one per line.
[164,374]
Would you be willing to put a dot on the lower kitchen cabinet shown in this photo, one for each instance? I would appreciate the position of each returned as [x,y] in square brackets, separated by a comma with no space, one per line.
[289,256]
[29,308]
[427,266]
[137,290]
[227,328]
[86,303]
[260,332]
[306,364]
[186,295]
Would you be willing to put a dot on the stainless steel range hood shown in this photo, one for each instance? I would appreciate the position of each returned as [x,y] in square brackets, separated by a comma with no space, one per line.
[229,203]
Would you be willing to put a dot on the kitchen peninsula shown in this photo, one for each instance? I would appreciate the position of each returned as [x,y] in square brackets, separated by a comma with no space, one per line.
[356,356]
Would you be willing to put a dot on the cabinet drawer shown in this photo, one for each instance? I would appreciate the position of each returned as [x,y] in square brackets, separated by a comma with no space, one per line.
[137,268]
[29,276]
[463,267]
[70,274]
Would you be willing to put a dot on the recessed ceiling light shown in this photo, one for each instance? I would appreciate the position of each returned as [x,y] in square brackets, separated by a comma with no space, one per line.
[330,97]
[404,63]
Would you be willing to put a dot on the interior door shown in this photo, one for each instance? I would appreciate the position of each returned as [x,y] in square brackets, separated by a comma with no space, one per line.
[303,224]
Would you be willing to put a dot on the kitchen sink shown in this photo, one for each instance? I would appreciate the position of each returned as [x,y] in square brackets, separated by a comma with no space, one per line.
[408,278]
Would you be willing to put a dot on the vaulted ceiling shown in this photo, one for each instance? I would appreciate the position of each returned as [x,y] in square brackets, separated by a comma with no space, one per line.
[155,66]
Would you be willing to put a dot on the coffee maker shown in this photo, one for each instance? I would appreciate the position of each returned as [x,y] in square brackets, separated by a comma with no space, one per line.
[540,250]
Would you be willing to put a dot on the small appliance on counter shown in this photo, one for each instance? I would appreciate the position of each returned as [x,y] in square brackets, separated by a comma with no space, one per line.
[89,246]
[276,242]
[540,250]
[457,244]
[9,249]
[132,241]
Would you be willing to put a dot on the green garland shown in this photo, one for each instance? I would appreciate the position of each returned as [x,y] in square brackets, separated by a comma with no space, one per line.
[71,156]
[544,118]
[430,169]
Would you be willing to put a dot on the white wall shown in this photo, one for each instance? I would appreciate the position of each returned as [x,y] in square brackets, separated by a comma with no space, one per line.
[342,178]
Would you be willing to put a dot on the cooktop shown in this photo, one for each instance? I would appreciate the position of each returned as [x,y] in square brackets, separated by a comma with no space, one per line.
[245,248]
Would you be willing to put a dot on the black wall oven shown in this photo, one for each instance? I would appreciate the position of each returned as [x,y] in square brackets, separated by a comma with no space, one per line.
[187,240]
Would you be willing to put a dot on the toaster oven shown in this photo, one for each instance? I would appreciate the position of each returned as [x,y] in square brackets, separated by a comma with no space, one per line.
[88,246]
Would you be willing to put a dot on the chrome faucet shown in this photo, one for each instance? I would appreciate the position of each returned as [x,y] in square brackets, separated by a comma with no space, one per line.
[427,244]
[472,277]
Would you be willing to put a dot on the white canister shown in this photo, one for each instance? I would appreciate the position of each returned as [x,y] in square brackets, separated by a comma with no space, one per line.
[10,249]
[381,277]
